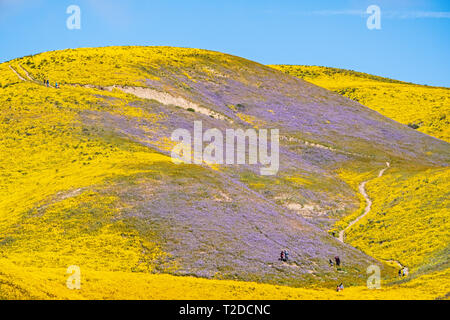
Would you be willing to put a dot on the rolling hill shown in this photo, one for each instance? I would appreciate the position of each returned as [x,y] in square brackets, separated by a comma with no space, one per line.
[408,223]
[424,108]
[87,178]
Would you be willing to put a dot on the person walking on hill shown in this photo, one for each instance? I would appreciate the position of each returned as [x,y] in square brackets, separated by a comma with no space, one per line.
[286,255]
[48,83]
[338,261]
[282,258]
[405,271]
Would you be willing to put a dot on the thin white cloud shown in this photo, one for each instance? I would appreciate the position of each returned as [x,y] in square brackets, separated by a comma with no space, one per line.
[338,13]
[385,14]
[423,14]
[115,13]
[16,3]
[11,8]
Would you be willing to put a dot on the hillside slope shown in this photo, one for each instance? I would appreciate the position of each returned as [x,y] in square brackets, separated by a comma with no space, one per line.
[408,223]
[86,176]
[49,283]
[424,108]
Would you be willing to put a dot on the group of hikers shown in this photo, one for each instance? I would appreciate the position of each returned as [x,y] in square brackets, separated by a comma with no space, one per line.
[284,256]
[337,261]
[47,83]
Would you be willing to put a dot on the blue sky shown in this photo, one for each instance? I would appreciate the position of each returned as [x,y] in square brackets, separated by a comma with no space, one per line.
[412,45]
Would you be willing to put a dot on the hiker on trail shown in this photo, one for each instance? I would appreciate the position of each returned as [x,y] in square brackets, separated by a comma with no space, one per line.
[45,81]
[338,261]
[340,287]
[48,83]
[330,262]
[282,256]
[400,273]
[286,255]
[405,271]
[56,85]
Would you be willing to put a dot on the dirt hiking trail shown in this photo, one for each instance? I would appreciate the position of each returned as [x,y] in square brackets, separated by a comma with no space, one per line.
[362,190]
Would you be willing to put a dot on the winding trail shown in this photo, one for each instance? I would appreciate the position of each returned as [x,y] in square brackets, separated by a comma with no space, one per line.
[27,74]
[17,74]
[362,190]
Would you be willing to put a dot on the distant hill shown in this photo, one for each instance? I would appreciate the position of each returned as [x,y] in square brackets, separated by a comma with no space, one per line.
[86,176]
[424,108]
